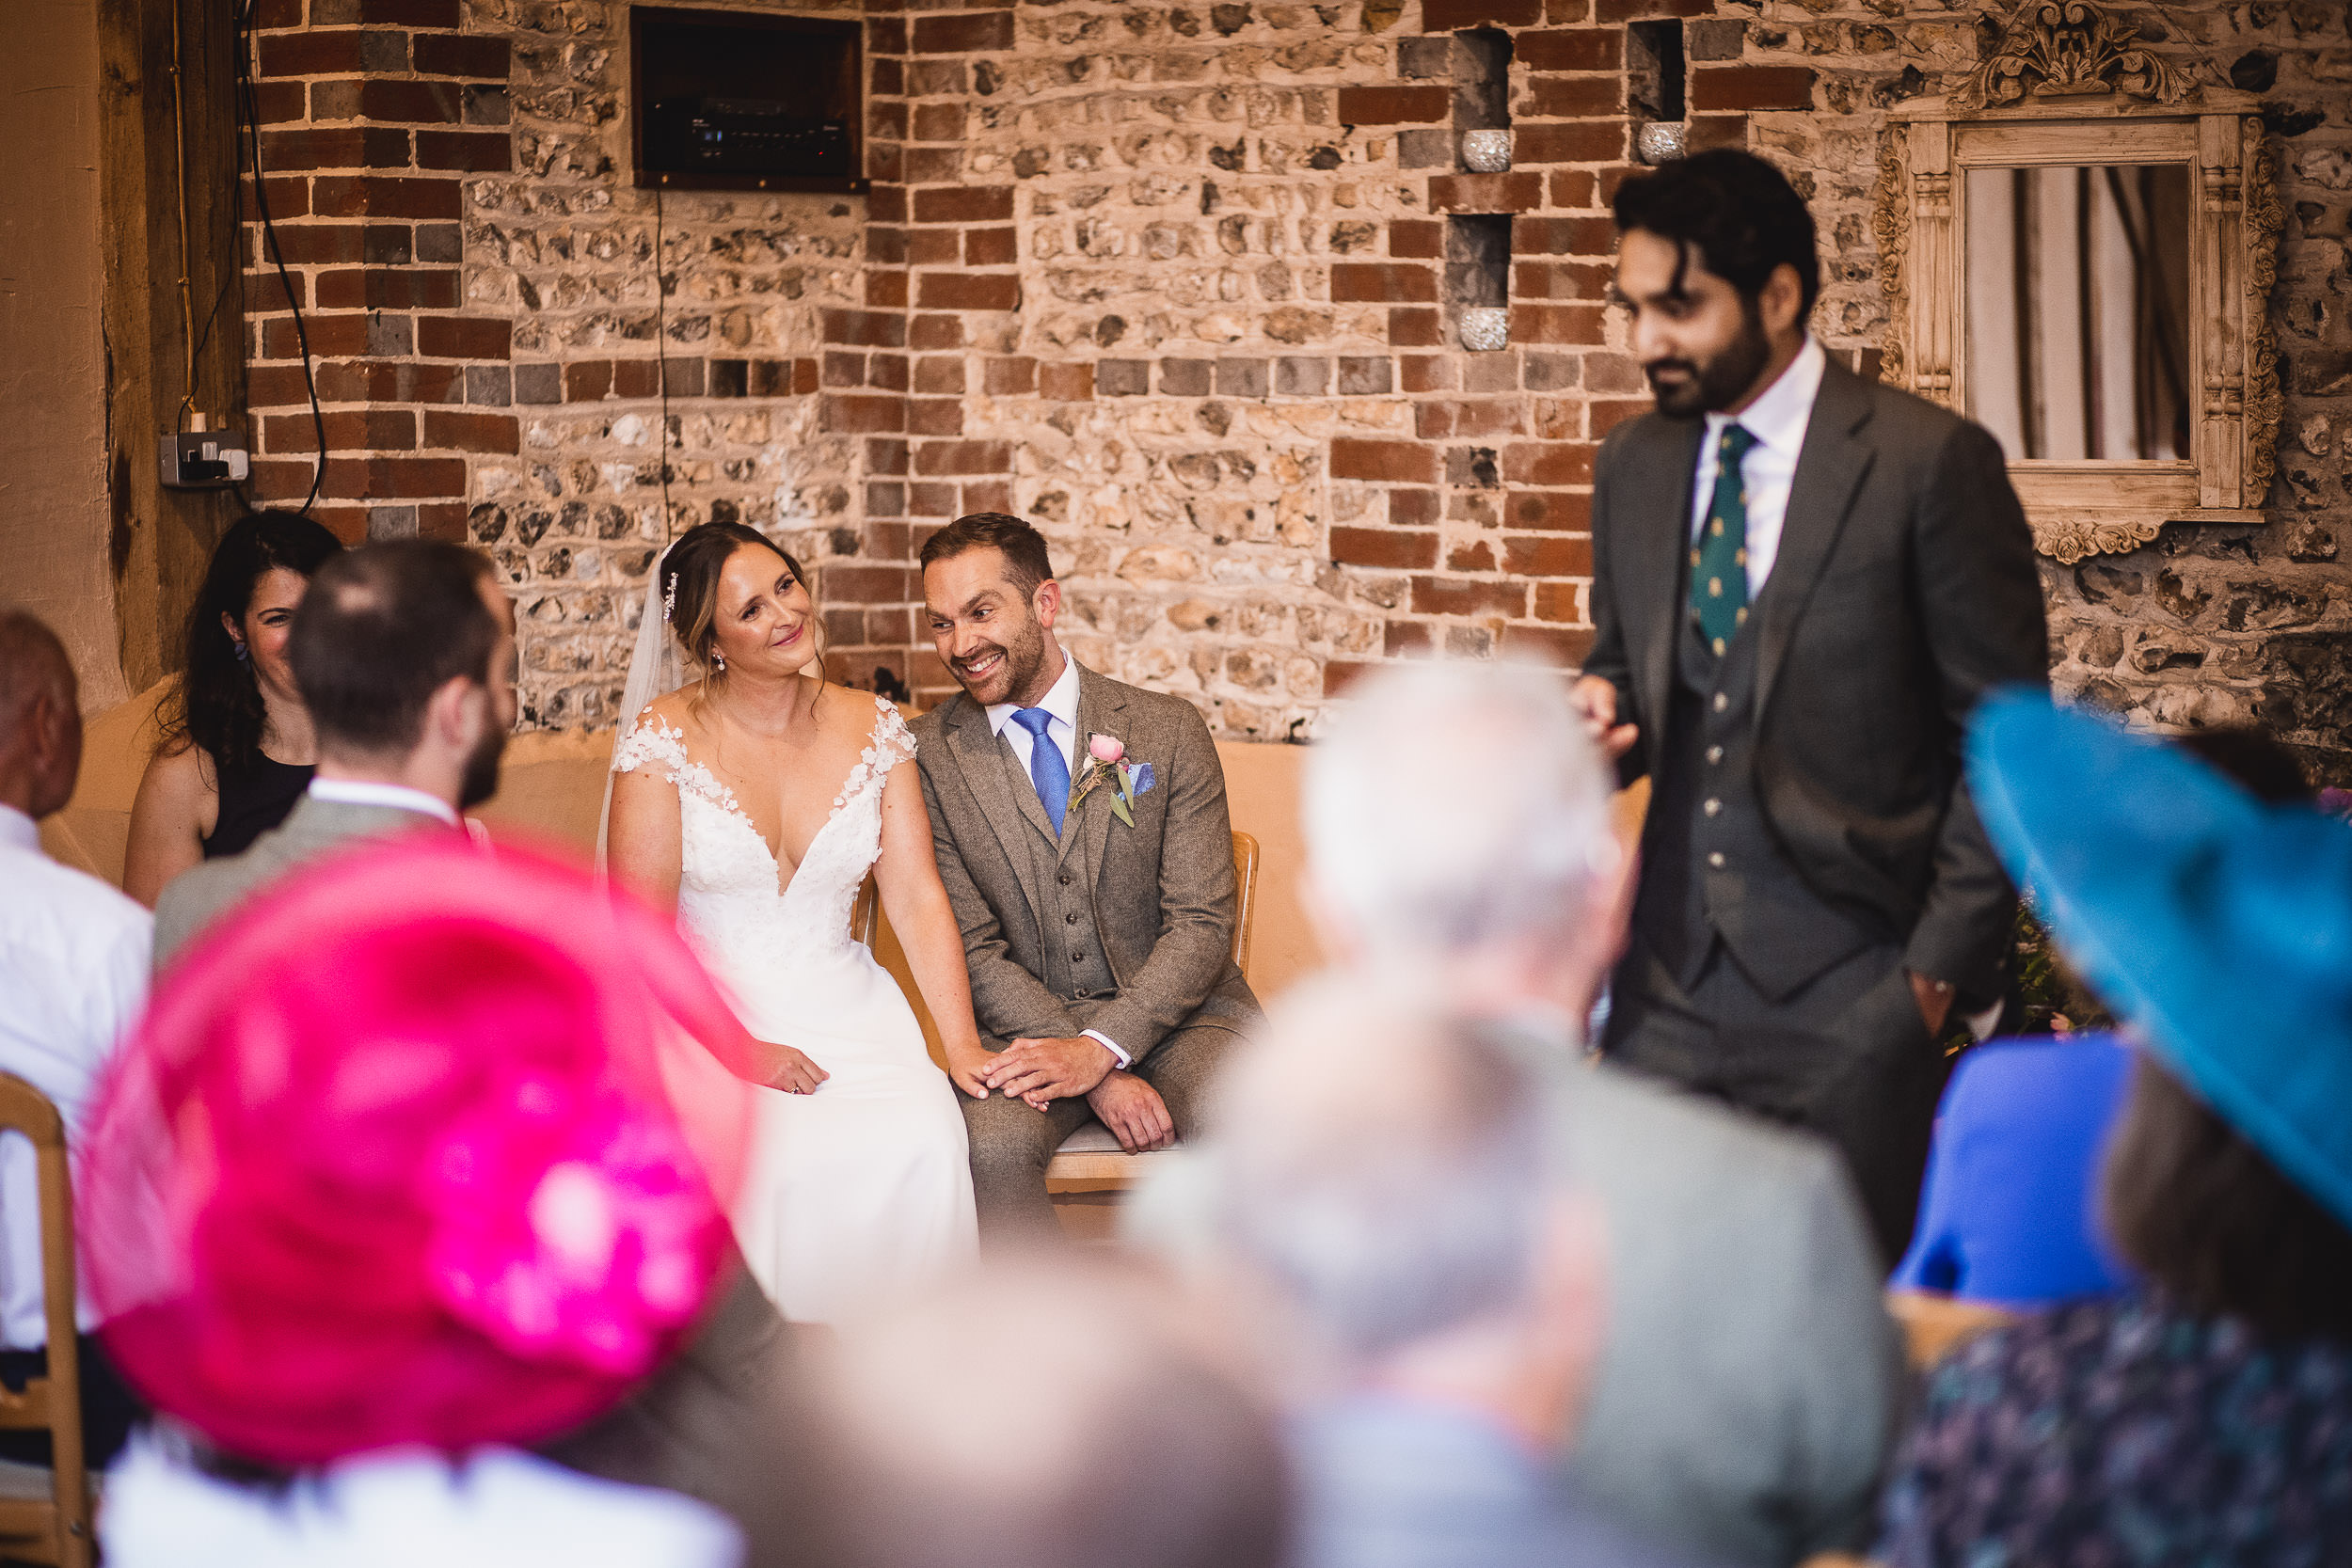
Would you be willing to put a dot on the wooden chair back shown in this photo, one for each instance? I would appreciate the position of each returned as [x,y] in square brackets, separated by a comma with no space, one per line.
[56,1528]
[1246,897]
[1935,1324]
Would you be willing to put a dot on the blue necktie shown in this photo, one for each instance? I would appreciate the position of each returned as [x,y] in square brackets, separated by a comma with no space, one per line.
[1046,768]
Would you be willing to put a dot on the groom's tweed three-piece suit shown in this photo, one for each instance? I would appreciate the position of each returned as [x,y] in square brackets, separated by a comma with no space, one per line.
[1128,930]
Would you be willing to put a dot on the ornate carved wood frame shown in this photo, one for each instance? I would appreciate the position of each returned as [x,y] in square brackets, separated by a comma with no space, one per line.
[2067,87]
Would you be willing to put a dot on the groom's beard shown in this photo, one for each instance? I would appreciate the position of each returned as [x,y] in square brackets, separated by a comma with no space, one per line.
[481,778]
[1015,672]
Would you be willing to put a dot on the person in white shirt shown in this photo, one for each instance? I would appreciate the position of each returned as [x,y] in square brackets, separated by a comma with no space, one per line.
[405,656]
[72,978]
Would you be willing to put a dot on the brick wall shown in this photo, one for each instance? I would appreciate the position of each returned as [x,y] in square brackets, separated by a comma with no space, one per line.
[1174,281]
[1230,391]
[372,113]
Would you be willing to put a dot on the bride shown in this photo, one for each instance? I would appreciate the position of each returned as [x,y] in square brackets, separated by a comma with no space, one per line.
[753,801]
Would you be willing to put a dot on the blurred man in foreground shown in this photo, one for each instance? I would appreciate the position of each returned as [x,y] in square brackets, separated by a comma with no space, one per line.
[73,955]
[936,1445]
[1459,837]
[1387,1191]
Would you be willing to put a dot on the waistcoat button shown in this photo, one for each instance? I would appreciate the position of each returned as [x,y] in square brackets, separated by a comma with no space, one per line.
[1714,753]
[1711,808]
[1072,919]
[1716,860]
[1722,702]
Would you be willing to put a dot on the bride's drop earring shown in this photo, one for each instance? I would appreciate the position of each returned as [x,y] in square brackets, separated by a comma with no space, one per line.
[719,662]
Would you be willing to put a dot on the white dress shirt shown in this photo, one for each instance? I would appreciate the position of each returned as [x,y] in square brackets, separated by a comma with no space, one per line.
[495,1508]
[74,964]
[1061,702]
[1777,419]
[368,792]
[1062,705]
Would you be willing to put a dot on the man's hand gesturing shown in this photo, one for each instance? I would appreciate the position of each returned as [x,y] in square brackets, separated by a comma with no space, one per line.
[1598,698]
[1042,1070]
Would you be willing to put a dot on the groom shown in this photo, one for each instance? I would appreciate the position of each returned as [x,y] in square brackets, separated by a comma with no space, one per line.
[1082,835]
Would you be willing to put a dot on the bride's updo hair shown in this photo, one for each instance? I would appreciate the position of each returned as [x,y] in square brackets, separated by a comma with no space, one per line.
[689,590]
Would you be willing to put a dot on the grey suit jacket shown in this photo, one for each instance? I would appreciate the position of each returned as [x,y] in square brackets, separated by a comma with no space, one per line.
[1905,589]
[1749,1393]
[1162,892]
[198,896]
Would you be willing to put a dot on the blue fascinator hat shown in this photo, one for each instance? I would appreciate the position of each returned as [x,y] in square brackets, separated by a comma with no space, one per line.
[2219,926]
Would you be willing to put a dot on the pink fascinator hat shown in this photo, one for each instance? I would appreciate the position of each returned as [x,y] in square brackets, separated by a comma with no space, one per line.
[421,1146]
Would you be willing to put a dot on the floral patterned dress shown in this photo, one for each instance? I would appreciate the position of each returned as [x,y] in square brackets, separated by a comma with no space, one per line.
[2124,1432]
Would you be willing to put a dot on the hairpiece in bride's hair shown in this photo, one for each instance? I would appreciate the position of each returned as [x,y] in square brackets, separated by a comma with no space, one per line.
[669,600]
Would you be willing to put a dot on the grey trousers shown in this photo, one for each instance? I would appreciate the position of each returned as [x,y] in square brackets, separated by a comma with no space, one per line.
[1848,1057]
[1011,1144]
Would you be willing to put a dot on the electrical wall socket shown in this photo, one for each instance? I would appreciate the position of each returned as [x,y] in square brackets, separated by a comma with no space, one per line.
[204,459]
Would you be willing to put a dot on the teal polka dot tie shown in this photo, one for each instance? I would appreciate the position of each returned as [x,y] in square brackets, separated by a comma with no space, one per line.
[1719,562]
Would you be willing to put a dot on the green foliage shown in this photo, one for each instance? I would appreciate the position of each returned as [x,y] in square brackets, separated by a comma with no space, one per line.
[2056,1002]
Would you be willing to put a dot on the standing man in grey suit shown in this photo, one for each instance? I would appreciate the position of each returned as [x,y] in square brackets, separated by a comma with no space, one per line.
[405,656]
[1096,896]
[1803,582]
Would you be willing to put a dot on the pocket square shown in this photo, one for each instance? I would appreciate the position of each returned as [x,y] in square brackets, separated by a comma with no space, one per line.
[1140,778]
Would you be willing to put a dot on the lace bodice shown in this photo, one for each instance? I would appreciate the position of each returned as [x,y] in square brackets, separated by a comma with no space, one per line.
[728,902]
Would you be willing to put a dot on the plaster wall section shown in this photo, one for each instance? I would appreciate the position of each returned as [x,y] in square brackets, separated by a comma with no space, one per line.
[56,521]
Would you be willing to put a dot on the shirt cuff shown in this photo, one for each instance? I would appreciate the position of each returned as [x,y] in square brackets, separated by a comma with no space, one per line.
[1108,1044]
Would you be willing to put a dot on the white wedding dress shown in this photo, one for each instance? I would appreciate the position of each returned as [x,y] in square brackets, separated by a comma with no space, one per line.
[861,1190]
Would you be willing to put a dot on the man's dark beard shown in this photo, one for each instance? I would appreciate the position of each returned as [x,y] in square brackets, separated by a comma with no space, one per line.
[1717,383]
[480,780]
[1024,656]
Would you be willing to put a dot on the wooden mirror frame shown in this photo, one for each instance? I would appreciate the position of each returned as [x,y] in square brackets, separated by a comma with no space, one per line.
[2069,85]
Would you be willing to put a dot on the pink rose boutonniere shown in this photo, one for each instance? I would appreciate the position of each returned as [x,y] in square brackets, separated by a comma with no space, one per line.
[1107,758]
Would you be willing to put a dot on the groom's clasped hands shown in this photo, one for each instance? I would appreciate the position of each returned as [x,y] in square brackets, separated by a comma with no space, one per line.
[1040,1072]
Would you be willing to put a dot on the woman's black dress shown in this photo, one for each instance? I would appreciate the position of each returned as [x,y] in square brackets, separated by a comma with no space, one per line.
[254,798]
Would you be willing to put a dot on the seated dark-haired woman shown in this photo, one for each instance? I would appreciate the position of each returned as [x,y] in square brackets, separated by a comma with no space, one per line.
[2205,1416]
[236,751]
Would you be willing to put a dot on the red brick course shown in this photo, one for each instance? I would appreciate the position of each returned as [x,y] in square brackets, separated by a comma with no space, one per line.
[1751,87]
[1395,549]
[1398,105]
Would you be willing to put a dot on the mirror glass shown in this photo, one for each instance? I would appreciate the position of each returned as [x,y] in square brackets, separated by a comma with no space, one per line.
[2078,310]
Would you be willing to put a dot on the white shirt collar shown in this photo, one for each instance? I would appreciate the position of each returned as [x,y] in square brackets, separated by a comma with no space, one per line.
[1778,417]
[368,792]
[18,831]
[1061,702]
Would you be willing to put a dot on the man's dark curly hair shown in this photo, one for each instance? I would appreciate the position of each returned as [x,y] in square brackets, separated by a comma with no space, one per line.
[1739,212]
